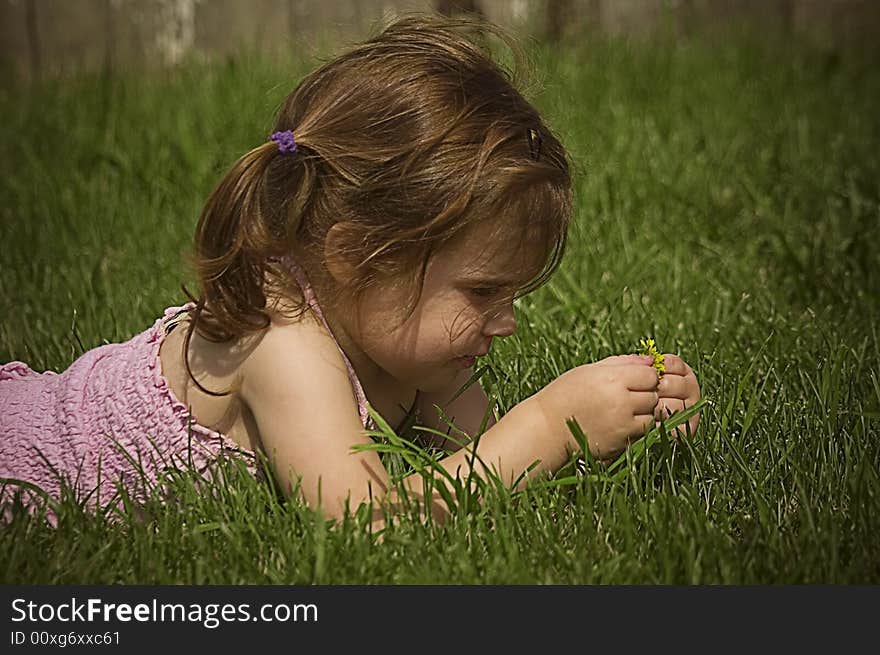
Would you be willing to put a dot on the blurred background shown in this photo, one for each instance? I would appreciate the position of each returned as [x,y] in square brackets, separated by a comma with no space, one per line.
[51,37]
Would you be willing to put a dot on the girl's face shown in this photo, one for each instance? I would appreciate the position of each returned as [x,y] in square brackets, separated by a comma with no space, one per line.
[466,302]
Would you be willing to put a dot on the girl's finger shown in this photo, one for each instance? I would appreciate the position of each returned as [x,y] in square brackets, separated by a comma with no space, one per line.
[674,364]
[641,424]
[666,407]
[673,386]
[617,360]
[640,378]
[644,402]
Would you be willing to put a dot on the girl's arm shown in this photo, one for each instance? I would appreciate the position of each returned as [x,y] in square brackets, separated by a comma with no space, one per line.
[295,385]
[300,397]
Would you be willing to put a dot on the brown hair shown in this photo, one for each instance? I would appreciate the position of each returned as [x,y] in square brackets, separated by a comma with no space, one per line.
[406,141]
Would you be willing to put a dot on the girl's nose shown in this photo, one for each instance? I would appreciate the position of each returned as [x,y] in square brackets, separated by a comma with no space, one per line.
[502,324]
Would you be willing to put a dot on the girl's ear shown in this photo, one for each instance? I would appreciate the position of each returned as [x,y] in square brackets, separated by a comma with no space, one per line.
[338,264]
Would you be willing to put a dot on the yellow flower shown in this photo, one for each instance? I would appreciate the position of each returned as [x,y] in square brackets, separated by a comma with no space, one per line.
[647,347]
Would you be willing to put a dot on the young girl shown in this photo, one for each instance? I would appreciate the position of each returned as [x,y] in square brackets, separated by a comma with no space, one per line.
[368,252]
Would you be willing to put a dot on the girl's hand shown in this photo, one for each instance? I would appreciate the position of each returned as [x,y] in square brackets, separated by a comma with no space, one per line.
[678,390]
[613,400]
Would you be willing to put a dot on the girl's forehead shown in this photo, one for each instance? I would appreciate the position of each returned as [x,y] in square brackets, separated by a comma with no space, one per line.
[490,251]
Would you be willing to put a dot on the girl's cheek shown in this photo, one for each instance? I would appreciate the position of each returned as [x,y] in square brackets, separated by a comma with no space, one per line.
[462,324]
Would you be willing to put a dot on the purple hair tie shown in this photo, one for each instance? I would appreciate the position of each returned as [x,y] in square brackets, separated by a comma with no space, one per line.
[286,144]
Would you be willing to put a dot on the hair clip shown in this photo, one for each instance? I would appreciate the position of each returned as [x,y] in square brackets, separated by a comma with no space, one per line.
[286,144]
[534,143]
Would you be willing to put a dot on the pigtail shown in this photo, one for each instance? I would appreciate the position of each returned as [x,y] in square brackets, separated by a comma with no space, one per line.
[249,222]
[251,218]
[230,237]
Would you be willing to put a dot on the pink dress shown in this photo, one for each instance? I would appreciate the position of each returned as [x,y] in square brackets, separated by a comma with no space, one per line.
[110,417]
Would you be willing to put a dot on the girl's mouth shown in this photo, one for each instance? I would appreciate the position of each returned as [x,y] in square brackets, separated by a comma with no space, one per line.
[467,361]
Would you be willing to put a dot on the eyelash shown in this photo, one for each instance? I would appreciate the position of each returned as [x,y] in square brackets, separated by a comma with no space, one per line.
[485,292]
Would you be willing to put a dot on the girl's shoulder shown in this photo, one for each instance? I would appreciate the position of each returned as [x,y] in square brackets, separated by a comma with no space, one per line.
[294,345]
[215,381]
[296,379]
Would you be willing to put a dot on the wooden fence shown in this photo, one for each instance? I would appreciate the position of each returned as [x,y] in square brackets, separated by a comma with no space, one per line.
[50,37]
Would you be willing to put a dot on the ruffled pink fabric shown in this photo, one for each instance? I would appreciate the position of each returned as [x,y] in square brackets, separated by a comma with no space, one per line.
[110,418]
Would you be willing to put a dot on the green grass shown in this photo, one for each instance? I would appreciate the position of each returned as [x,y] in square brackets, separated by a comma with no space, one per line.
[728,198]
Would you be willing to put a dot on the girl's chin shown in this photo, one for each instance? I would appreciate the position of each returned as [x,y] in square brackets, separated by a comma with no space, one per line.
[465,362]
[440,379]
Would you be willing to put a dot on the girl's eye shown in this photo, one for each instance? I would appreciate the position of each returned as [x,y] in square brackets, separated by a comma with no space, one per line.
[484,292]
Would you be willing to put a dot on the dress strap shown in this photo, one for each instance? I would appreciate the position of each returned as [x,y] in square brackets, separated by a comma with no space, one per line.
[312,302]
[174,315]
[171,321]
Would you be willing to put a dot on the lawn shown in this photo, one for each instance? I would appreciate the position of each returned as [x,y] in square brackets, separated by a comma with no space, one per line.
[727,204]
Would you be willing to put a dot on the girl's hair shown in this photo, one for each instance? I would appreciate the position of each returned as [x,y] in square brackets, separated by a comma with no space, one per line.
[405,141]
